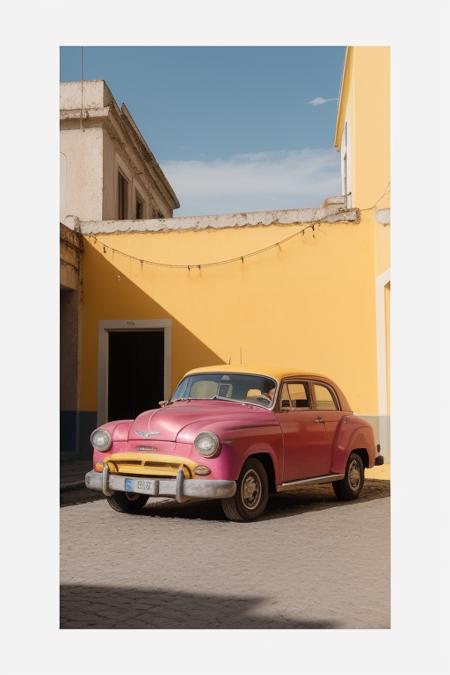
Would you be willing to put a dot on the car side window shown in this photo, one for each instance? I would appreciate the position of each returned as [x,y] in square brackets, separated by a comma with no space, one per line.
[324,398]
[294,396]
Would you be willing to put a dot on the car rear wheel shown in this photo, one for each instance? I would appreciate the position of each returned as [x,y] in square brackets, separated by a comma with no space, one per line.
[252,493]
[127,502]
[350,487]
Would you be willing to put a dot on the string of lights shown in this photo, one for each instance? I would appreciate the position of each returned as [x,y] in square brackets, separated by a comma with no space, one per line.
[227,261]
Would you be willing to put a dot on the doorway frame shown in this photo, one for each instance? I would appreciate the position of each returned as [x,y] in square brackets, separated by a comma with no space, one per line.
[128,326]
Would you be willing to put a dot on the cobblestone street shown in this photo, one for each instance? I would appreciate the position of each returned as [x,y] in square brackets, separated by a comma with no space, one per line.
[310,562]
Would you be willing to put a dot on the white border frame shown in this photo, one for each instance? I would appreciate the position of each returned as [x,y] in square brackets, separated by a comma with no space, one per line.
[128,325]
[383,430]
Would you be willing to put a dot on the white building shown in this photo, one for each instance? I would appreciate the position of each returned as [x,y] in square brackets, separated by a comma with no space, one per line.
[108,172]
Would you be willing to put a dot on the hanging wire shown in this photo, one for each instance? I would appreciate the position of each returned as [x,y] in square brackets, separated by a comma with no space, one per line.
[386,190]
[238,258]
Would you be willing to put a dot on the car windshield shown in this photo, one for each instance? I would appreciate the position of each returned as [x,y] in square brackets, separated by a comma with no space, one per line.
[227,386]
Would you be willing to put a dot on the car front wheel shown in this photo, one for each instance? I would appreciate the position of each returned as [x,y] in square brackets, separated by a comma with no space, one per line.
[127,502]
[252,493]
[350,487]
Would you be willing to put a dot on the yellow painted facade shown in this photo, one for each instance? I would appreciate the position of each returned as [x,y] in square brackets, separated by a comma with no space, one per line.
[309,304]
[304,306]
[364,104]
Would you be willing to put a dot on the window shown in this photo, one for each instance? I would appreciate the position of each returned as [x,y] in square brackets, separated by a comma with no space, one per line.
[122,197]
[345,177]
[229,386]
[294,395]
[324,398]
[139,211]
[345,161]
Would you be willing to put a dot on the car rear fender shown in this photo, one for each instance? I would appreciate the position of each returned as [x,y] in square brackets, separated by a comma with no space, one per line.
[353,434]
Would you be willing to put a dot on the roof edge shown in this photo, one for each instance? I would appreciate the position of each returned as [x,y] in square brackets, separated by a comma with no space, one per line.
[330,215]
[339,115]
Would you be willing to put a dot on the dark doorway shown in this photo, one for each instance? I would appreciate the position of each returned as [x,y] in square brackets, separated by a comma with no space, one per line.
[135,372]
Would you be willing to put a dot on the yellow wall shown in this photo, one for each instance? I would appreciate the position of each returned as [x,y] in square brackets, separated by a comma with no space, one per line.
[309,304]
[387,318]
[365,102]
[382,247]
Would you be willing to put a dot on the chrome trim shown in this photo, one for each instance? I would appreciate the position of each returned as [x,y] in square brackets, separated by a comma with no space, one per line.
[293,484]
[179,492]
[180,488]
[105,481]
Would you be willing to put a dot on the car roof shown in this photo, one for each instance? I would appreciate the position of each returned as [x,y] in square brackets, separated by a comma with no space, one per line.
[269,371]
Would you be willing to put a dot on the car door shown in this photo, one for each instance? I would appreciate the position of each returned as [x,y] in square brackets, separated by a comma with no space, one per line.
[326,404]
[306,453]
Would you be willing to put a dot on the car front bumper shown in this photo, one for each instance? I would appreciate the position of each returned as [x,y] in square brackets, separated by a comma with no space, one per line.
[180,488]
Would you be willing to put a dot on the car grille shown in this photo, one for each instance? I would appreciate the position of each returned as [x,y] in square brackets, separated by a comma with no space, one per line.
[131,465]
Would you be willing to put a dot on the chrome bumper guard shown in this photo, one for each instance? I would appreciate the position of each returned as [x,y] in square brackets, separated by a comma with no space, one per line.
[180,487]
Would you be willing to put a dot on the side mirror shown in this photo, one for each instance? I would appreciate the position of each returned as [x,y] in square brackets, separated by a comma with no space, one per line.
[162,404]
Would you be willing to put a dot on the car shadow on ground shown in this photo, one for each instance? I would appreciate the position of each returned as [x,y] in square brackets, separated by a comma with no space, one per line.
[311,498]
[112,607]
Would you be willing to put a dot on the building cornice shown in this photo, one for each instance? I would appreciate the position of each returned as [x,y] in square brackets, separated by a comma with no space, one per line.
[145,151]
[123,130]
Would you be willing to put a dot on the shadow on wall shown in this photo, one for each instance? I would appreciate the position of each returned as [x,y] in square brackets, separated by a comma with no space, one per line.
[108,294]
[111,607]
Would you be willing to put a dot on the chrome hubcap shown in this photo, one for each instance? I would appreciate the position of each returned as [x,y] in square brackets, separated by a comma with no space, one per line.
[251,490]
[354,475]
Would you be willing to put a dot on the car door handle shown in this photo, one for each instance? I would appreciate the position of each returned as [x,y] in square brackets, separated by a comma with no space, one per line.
[318,420]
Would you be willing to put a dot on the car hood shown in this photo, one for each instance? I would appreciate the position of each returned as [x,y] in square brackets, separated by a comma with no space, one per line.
[166,424]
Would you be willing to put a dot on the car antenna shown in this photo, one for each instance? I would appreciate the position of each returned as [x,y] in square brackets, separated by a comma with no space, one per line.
[229,360]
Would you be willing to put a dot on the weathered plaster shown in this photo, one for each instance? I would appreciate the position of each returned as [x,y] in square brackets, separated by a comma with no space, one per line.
[71,247]
[383,216]
[251,219]
[97,138]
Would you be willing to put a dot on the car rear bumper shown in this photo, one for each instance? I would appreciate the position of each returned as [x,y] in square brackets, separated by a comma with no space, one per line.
[379,460]
[180,488]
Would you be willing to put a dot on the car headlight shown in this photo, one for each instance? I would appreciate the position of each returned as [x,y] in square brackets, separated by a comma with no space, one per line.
[101,440]
[207,444]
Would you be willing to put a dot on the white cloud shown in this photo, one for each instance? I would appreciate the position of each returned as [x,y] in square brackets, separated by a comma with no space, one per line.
[320,101]
[255,182]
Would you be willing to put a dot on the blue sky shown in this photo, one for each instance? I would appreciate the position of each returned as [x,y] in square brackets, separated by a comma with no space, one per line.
[234,128]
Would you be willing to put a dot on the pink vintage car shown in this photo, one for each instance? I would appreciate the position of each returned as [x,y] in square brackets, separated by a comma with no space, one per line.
[235,434]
